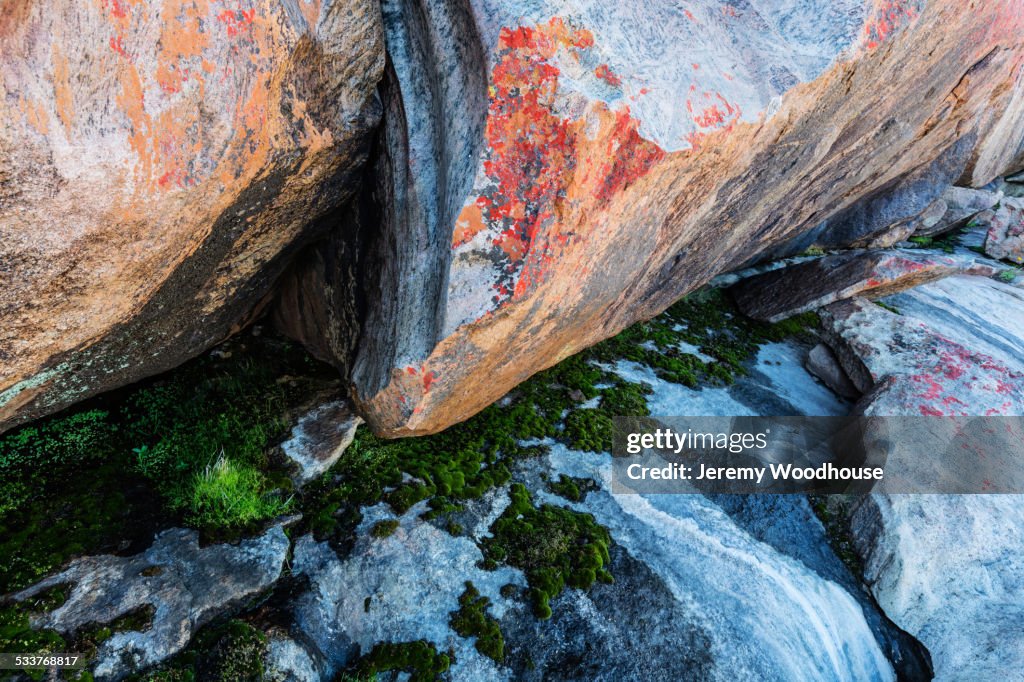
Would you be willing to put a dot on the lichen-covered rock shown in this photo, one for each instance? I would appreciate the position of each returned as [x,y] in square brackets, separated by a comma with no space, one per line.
[961,204]
[941,358]
[1005,238]
[158,161]
[553,172]
[186,586]
[945,568]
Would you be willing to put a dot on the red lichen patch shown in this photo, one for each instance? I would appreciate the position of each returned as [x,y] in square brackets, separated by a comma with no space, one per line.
[604,73]
[237,21]
[117,45]
[729,11]
[689,15]
[886,18]
[532,156]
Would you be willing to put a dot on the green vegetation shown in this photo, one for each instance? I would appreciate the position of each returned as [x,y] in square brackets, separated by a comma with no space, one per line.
[946,242]
[1009,275]
[227,495]
[890,308]
[384,529]
[572,488]
[233,650]
[471,620]
[420,659]
[554,546]
[709,321]
[195,438]
[834,511]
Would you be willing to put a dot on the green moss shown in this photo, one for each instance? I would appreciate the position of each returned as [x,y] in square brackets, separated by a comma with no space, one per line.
[589,429]
[1008,276]
[572,488]
[554,546]
[707,319]
[420,659]
[890,308]
[833,511]
[85,480]
[384,529]
[233,650]
[472,620]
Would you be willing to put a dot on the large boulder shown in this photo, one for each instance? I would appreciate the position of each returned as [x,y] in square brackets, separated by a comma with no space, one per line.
[158,162]
[550,173]
[945,568]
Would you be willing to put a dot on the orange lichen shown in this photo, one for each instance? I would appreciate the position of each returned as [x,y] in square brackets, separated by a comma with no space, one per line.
[888,15]
[607,75]
[535,158]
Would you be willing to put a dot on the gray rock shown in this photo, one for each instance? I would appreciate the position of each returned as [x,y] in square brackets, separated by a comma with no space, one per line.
[945,568]
[288,661]
[320,438]
[950,570]
[822,363]
[962,204]
[1005,237]
[778,294]
[187,585]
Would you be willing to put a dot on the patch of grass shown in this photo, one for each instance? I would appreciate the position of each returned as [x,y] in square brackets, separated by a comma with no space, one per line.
[384,529]
[420,659]
[946,242]
[554,546]
[471,620]
[230,495]
[813,251]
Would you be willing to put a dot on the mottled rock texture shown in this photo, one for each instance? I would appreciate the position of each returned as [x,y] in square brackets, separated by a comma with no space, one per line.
[1005,237]
[159,162]
[184,585]
[551,172]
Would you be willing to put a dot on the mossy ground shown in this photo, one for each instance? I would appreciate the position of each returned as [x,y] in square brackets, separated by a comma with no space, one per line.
[203,433]
[197,439]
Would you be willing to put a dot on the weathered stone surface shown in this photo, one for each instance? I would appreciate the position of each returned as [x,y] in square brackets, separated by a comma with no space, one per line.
[956,349]
[159,162]
[945,568]
[319,439]
[551,173]
[822,363]
[186,586]
[962,204]
[1005,237]
[950,570]
[778,294]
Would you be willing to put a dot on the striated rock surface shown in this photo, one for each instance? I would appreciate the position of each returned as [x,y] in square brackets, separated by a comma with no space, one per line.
[950,570]
[184,584]
[934,366]
[550,173]
[945,568]
[159,161]
[779,294]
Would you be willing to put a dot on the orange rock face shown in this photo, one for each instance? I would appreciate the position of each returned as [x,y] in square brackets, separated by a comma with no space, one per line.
[596,181]
[158,160]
